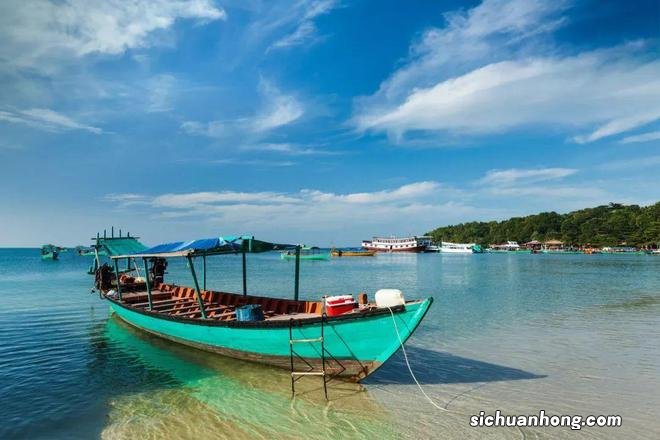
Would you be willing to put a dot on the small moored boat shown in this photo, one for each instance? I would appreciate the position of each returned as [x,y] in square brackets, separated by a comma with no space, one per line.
[306,253]
[460,248]
[347,338]
[50,252]
[351,253]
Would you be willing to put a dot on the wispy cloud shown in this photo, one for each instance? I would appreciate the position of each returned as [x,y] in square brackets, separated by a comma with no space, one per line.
[644,137]
[254,162]
[534,183]
[631,164]
[406,192]
[289,149]
[46,119]
[305,28]
[126,199]
[420,203]
[160,90]
[277,109]
[514,175]
[486,72]
[41,34]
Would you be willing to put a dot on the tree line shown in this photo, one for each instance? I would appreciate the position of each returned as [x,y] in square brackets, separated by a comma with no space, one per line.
[606,225]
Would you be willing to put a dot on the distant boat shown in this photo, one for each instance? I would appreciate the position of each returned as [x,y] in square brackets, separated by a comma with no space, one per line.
[306,253]
[351,253]
[460,248]
[508,247]
[397,244]
[49,252]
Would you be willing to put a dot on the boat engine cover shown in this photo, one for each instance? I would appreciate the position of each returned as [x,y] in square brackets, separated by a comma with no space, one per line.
[389,298]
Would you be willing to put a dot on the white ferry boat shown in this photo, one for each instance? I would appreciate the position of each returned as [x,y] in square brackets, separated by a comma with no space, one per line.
[457,248]
[397,244]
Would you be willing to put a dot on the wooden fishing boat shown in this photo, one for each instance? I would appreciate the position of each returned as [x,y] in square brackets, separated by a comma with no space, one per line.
[351,253]
[351,344]
[50,252]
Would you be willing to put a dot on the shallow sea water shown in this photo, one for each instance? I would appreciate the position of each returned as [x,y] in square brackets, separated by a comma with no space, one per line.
[569,334]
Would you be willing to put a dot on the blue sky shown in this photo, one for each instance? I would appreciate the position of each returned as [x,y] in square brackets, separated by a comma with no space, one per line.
[320,121]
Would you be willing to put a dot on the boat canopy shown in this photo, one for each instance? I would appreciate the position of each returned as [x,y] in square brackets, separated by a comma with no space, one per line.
[207,246]
[114,246]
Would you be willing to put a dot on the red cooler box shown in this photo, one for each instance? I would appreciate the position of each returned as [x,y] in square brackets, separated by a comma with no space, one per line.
[338,305]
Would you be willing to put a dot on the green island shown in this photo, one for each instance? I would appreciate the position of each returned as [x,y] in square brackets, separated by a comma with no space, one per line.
[606,225]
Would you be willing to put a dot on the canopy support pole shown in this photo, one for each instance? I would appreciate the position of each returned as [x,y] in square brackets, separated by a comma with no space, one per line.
[199,294]
[146,277]
[296,285]
[204,269]
[244,274]
[117,278]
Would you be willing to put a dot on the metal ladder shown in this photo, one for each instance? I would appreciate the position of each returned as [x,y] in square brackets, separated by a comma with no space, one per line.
[296,375]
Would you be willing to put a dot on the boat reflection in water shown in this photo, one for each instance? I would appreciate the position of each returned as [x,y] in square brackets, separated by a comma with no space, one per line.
[201,395]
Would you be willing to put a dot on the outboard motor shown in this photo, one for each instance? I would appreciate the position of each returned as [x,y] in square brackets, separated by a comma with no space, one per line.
[103,277]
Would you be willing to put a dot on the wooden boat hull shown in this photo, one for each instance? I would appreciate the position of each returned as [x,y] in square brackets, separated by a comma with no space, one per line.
[353,253]
[361,343]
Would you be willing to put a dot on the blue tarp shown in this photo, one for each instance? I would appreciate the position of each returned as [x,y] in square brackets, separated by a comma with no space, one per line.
[202,245]
[207,246]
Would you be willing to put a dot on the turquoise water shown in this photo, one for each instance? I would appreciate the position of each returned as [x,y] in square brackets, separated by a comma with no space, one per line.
[569,334]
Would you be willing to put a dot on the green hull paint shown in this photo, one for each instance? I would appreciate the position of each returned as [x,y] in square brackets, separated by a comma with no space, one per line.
[49,256]
[370,341]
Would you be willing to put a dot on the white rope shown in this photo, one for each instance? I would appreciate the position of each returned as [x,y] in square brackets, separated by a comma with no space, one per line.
[137,269]
[405,356]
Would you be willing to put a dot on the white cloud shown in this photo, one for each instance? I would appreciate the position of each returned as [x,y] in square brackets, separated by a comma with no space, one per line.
[489,32]
[486,72]
[159,89]
[126,199]
[303,16]
[406,209]
[39,34]
[254,162]
[612,93]
[644,137]
[46,119]
[405,192]
[631,164]
[538,183]
[514,175]
[288,149]
[190,200]
[277,110]
[574,193]
[213,129]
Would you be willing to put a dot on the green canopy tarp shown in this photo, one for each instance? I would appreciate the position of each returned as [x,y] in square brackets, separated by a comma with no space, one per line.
[120,246]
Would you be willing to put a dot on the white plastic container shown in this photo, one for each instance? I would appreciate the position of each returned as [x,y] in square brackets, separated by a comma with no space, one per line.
[389,298]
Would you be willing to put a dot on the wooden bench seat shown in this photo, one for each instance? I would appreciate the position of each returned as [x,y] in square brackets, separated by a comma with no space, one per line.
[189,306]
[162,302]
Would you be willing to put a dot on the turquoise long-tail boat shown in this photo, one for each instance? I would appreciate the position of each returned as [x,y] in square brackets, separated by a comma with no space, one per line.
[289,333]
[50,252]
